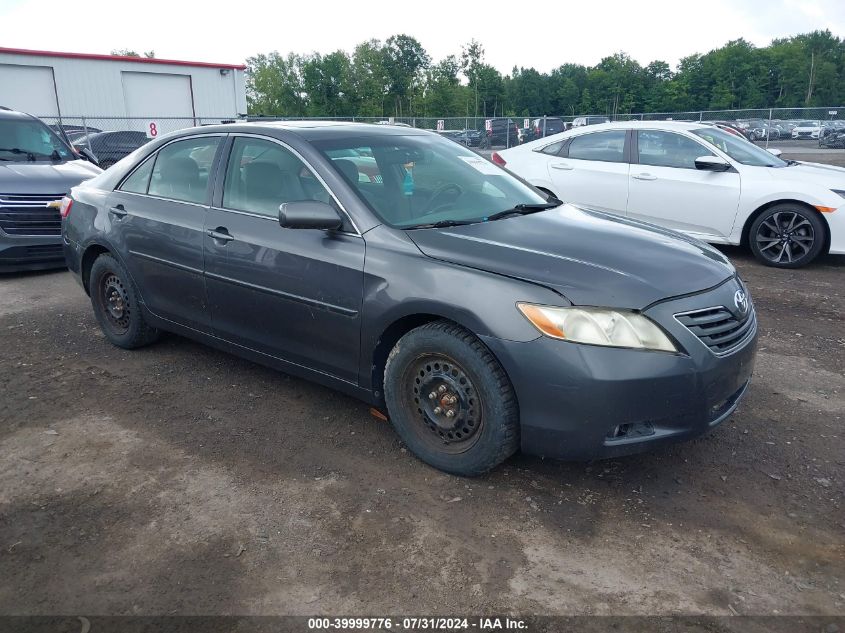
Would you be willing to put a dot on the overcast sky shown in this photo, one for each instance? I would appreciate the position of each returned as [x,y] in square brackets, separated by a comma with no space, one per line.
[535,34]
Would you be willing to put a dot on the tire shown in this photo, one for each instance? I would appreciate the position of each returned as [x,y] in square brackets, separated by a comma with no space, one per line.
[787,235]
[117,306]
[444,359]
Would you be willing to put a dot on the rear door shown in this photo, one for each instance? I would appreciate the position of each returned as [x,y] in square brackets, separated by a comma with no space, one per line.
[291,293]
[592,170]
[666,189]
[157,222]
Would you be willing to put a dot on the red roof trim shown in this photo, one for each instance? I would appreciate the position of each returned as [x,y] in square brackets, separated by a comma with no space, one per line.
[118,58]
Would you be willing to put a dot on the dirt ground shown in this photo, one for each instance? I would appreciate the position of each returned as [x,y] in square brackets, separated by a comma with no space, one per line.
[181,480]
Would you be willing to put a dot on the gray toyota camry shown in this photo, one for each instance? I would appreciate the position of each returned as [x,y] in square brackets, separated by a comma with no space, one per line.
[475,312]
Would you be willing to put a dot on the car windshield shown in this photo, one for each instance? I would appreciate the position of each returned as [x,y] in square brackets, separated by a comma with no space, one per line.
[420,180]
[23,140]
[807,124]
[739,149]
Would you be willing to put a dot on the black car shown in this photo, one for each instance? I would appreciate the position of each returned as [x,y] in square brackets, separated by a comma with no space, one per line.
[478,314]
[501,133]
[110,147]
[833,137]
[547,126]
[37,169]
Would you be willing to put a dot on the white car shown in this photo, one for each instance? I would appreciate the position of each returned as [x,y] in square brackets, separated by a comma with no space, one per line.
[696,179]
[807,129]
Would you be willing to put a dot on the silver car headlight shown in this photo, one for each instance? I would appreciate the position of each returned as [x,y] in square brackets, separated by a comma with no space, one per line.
[598,326]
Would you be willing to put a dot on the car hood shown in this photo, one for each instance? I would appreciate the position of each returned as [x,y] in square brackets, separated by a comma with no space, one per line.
[590,257]
[826,175]
[44,178]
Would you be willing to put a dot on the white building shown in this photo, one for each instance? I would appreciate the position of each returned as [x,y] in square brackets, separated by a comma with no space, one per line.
[72,85]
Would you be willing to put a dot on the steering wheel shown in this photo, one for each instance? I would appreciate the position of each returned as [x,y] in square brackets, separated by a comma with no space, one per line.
[442,190]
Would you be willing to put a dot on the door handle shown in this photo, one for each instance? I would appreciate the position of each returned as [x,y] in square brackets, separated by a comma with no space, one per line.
[643,176]
[563,166]
[220,234]
[118,211]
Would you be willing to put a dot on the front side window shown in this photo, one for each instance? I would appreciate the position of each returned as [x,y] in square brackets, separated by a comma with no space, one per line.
[668,149]
[739,149]
[28,140]
[182,169]
[606,146]
[421,179]
[262,175]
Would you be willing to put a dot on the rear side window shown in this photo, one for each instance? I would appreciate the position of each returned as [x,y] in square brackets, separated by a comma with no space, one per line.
[182,169]
[667,149]
[606,146]
[553,149]
[139,181]
[261,175]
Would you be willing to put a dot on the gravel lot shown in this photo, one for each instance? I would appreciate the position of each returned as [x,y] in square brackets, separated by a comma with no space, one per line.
[181,480]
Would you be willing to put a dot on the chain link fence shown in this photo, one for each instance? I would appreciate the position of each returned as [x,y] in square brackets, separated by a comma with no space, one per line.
[815,127]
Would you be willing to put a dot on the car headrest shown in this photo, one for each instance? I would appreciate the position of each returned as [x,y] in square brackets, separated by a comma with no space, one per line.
[348,169]
[262,179]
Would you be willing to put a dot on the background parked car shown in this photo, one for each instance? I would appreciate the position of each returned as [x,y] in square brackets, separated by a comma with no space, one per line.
[547,126]
[72,132]
[110,147]
[731,128]
[37,169]
[589,120]
[807,129]
[502,132]
[696,179]
[833,138]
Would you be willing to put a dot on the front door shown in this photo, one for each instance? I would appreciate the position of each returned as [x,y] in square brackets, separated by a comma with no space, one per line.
[666,188]
[157,218]
[291,293]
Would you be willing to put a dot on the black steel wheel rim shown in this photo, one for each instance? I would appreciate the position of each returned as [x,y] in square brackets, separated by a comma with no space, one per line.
[445,407]
[115,303]
[785,237]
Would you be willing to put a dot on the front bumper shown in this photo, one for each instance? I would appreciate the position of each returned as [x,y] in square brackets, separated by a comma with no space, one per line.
[21,253]
[588,402]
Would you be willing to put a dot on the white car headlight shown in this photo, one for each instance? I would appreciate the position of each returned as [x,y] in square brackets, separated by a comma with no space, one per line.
[598,326]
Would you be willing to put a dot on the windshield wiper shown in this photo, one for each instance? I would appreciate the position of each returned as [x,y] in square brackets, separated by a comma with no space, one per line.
[789,163]
[17,150]
[522,209]
[442,224]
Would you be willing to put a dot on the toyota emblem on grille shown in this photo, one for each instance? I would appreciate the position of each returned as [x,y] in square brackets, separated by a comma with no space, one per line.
[741,301]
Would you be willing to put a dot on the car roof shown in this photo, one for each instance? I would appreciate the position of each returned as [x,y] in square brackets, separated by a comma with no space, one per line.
[650,125]
[8,113]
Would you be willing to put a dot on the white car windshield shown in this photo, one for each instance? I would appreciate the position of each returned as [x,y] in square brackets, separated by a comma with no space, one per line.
[739,149]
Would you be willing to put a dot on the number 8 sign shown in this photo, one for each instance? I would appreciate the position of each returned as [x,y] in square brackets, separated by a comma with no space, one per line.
[152,129]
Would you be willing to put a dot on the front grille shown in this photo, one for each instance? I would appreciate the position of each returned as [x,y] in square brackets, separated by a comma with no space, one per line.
[28,214]
[718,328]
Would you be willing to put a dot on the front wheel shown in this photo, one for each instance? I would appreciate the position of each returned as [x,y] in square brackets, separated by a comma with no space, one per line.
[787,236]
[450,400]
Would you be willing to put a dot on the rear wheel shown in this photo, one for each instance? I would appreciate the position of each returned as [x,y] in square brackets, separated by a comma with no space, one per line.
[787,235]
[450,400]
[116,304]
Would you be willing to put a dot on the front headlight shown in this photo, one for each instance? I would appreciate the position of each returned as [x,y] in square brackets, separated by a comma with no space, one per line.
[598,326]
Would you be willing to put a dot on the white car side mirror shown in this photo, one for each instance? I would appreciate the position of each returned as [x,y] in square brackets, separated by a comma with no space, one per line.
[774,151]
[712,163]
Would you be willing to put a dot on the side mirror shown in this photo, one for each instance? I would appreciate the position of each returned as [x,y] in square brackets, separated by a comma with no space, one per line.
[309,214]
[775,151]
[88,155]
[712,163]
